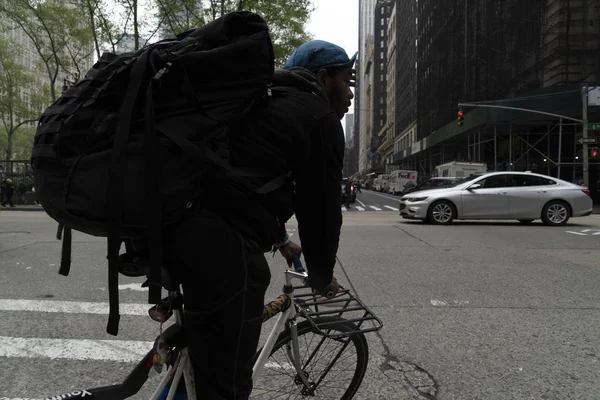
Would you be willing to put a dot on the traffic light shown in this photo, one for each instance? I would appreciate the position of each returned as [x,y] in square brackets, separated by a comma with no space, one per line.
[461,120]
[594,152]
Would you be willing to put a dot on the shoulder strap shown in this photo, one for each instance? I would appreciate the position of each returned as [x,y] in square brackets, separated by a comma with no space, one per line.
[116,189]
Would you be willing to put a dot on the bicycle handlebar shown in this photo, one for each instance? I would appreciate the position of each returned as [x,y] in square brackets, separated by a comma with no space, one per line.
[298,267]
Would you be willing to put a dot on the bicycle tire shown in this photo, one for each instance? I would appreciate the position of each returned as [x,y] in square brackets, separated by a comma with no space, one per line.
[337,324]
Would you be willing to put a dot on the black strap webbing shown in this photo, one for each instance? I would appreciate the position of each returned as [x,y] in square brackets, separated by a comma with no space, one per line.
[116,189]
[43,150]
[65,257]
[209,155]
[153,200]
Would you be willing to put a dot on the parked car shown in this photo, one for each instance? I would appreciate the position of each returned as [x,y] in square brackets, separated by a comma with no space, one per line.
[523,196]
[431,184]
[352,193]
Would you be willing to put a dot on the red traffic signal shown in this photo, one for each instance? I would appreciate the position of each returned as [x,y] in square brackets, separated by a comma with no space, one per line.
[460,120]
[594,152]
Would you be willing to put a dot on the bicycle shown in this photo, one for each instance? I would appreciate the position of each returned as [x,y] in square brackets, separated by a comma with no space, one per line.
[321,315]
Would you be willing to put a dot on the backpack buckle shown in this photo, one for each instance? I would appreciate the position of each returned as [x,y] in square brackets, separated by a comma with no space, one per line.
[161,72]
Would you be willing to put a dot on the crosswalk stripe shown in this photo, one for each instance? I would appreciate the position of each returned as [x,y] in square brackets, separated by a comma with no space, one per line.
[71,307]
[391,208]
[375,208]
[359,208]
[74,349]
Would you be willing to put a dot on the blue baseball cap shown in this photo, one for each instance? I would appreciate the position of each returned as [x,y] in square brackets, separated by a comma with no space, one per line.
[318,54]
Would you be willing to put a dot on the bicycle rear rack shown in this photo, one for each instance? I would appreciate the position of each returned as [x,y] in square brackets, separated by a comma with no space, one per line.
[344,305]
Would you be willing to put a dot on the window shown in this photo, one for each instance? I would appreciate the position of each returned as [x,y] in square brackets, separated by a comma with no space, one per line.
[494,181]
[531,180]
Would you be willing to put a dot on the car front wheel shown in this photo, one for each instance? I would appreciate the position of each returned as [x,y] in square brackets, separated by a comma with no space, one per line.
[441,213]
[555,213]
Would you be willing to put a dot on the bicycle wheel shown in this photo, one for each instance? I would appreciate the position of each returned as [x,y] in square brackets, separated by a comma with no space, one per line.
[280,379]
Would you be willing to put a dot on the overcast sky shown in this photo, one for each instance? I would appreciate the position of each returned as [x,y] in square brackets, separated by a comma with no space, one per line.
[336,21]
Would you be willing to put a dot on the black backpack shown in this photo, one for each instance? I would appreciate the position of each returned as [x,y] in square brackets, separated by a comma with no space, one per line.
[129,149]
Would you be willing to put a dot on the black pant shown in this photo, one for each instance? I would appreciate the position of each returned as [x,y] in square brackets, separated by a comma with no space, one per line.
[8,199]
[224,283]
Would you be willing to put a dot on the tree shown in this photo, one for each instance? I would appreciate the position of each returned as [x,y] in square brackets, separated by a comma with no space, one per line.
[21,101]
[287,19]
[53,26]
[178,16]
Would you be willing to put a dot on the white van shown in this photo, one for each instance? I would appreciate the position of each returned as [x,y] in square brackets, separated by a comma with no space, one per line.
[382,182]
[460,169]
[401,180]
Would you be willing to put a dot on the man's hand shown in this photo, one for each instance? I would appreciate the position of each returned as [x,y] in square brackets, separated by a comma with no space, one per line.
[288,250]
[330,290]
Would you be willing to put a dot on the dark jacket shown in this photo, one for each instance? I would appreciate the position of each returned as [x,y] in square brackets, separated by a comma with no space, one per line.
[296,132]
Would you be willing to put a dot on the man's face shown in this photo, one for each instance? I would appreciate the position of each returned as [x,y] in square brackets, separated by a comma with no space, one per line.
[338,90]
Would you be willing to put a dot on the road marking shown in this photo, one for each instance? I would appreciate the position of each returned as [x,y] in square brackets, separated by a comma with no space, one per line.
[361,203]
[387,197]
[375,208]
[276,365]
[71,307]
[359,208]
[74,349]
[391,208]
[442,303]
[577,233]
[133,286]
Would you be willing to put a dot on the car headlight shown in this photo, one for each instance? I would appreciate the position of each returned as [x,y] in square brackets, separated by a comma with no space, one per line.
[414,199]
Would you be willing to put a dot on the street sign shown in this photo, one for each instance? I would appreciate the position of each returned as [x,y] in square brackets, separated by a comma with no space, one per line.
[589,140]
[594,96]
[594,126]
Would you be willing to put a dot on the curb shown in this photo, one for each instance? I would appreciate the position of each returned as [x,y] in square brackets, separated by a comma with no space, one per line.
[17,208]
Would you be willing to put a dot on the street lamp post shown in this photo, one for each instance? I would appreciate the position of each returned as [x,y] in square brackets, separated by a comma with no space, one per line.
[584,101]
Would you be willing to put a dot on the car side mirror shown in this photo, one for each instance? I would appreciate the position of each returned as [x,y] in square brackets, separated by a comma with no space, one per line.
[475,186]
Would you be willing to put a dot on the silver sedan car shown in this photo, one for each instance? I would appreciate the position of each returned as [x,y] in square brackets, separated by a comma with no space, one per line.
[523,196]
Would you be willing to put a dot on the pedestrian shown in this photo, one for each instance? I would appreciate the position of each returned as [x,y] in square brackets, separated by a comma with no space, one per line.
[21,190]
[2,190]
[8,192]
[218,252]
[348,192]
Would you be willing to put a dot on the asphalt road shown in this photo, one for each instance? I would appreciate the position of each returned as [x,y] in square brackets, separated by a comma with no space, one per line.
[368,200]
[476,310]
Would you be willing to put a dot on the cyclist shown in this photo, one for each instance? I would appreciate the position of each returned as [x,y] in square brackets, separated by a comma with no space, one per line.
[218,252]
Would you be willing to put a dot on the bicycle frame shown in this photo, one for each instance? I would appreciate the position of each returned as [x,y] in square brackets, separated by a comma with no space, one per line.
[182,366]
[289,315]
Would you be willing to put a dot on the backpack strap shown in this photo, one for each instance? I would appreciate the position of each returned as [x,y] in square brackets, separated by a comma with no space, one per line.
[65,257]
[116,189]
[154,201]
